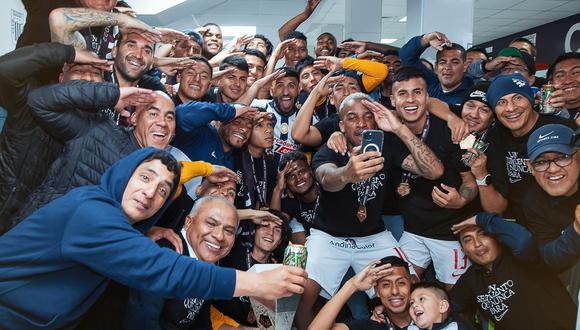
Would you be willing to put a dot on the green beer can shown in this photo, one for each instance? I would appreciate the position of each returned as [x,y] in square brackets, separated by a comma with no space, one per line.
[545,106]
[295,255]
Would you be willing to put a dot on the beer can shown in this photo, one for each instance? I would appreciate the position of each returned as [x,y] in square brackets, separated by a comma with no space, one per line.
[295,255]
[545,106]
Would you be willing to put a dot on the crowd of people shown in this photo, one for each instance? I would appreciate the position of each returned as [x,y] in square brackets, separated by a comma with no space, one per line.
[145,170]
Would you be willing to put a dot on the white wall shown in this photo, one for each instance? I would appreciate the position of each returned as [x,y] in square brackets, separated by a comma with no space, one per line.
[12,18]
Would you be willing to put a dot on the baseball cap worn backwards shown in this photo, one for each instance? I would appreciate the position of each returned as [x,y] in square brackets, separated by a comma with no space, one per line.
[550,138]
[505,84]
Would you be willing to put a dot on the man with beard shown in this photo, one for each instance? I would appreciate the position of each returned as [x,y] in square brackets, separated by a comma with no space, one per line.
[449,82]
[565,75]
[348,230]
[194,82]
[200,140]
[233,84]
[284,91]
[297,194]
[391,280]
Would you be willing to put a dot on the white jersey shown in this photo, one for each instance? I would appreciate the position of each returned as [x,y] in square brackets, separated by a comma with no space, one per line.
[283,141]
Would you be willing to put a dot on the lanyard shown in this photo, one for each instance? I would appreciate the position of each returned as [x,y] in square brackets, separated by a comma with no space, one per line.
[407,175]
[261,191]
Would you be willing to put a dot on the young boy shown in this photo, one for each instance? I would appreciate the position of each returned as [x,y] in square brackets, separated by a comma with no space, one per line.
[429,308]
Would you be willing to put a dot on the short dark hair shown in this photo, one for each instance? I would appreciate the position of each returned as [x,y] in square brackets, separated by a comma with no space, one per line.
[236,61]
[477,49]
[292,156]
[395,262]
[257,53]
[289,72]
[408,72]
[453,46]
[269,46]
[327,34]
[304,63]
[169,161]
[296,35]
[212,24]
[522,39]
[391,52]
[563,57]
[202,59]
[437,288]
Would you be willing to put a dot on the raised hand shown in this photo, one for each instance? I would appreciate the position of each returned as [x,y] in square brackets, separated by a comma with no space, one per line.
[239,41]
[354,46]
[267,80]
[457,228]
[386,119]
[459,129]
[128,24]
[170,65]
[134,96]
[282,47]
[324,85]
[311,6]
[222,174]
[369,276]
[436,40]
[169,36]
[85,57]
[328,62]
[363,166]
[479,164]
[157,233]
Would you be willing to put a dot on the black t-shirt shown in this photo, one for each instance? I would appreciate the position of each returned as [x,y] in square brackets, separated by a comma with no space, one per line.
[506,162]
[327,126]
[337,212]
[252,183]
[548,216]
[515,296]
[422,216]
[303,212]
[369,324]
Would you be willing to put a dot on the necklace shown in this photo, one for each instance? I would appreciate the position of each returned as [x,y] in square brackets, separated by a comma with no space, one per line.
[260,190]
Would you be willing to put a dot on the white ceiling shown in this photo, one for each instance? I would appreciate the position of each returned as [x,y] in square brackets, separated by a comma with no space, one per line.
[493,18]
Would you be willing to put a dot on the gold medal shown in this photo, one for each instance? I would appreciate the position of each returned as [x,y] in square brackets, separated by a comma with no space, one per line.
[404,189]
[284,128]
[361,213]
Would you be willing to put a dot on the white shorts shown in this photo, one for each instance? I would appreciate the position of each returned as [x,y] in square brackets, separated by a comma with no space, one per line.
[448,259]
[330,257]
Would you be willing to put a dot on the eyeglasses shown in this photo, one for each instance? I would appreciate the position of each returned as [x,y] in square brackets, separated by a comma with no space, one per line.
[561,161]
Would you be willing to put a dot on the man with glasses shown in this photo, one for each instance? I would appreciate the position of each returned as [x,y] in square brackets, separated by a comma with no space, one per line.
[551,205]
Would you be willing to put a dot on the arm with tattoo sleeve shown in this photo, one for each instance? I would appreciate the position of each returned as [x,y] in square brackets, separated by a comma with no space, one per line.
[422,161]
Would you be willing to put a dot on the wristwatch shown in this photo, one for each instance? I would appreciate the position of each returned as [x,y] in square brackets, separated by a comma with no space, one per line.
[486,181]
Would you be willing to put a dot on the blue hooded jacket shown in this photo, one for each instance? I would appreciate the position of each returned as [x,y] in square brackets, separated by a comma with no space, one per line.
[57,262]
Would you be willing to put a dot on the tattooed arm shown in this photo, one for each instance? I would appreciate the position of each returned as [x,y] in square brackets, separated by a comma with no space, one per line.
[422,161]
[65,24]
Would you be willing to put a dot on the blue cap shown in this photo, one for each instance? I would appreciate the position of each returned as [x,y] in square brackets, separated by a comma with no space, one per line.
[505,84]
[550,138]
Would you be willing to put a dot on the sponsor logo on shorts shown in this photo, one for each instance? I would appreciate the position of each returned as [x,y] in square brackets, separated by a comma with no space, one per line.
[350,243]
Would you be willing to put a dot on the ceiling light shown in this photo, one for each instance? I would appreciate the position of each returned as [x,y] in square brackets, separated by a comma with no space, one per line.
[388,40]
[403,20]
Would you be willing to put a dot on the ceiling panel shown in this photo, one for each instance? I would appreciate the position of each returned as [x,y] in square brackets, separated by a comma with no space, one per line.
[538,5]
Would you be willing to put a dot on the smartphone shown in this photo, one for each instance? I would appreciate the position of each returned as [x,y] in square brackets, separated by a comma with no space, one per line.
[372,140]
